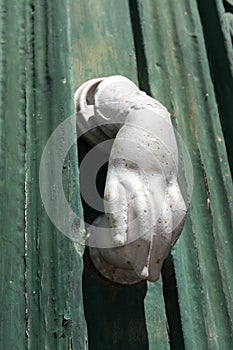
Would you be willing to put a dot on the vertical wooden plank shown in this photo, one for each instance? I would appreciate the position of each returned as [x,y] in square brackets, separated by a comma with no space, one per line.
[215,29]
[54,266]
[12,162]
[118,317]
[102,41]
[179,76]
[155,314]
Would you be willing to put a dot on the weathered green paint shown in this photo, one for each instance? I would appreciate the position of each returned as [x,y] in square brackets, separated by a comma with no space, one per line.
[215,27]
[55,316]
[102,40]
[12,160]
[170,50]
[41,271]
[178,72]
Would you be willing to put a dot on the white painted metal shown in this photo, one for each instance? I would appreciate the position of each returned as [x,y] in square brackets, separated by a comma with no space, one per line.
[144,207]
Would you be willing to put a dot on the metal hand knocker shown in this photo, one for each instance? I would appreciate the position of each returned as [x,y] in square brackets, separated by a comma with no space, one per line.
[144,207]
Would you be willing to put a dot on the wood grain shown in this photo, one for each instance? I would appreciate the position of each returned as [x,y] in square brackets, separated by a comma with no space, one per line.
[179,74]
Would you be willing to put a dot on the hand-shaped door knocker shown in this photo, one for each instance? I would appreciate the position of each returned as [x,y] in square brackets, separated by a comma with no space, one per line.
[143,204]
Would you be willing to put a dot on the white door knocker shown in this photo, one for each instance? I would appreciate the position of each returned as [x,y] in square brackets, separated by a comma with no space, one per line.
[143,204]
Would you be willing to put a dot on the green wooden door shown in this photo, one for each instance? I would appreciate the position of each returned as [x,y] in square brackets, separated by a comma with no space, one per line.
[180,53]
[40,270]
[162,47]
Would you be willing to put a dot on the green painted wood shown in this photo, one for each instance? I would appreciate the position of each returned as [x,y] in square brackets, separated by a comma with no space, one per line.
[54,266]
[40,271]
[102,41]
[179,75]
[157,325]
[118,317]
[12,162]
[47,50]
[214,15]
